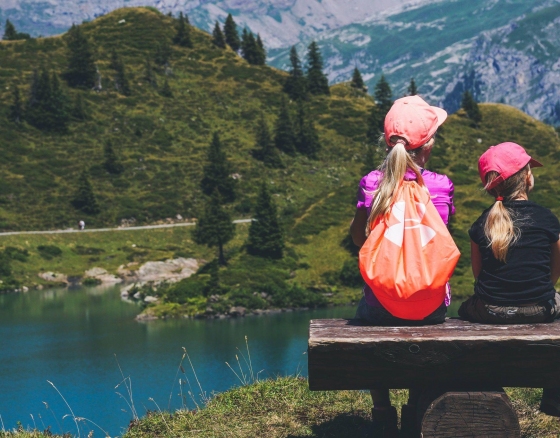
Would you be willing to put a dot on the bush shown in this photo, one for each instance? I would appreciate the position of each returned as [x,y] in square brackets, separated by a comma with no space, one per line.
[18,254]
[84,250]
[183,290]
[48,252]
[350,274]
[89,281]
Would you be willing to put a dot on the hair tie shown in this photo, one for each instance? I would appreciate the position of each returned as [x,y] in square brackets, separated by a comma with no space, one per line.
[499,198]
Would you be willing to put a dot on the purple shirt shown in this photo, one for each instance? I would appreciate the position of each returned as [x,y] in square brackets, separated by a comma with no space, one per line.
[441,191]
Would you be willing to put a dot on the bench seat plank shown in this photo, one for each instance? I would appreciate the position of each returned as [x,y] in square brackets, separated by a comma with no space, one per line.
[343,354]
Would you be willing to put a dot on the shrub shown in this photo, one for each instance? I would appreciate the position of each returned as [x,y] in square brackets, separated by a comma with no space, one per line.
[48,252]
[85,250]
[350,274]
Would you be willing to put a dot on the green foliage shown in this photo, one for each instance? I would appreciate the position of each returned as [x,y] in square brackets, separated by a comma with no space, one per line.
[350,274]
[296,83]
[371,161]
[217,172]
[215,227]
[112,164]
[49,252]
[317,82]
[47,106]
[15,112]
[84,198]
[163,54]
[10,33]
[265,149]
[284,135]
[412,89]
[149,74]
[122,84]
[357,80]
[307,139]
[383,99]
[471,108]
[80,110]
[218,38]
[231,34]
[183,36]
[252,49]
[81,70]
[266,238]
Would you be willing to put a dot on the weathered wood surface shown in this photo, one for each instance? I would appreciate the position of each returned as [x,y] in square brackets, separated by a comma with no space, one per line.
[346,355]
[472,415]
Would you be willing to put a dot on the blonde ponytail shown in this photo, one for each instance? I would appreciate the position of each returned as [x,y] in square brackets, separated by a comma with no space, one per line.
[500,227]
[394,167]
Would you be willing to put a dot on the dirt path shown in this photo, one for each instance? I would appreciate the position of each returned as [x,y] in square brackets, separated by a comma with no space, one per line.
[99,230]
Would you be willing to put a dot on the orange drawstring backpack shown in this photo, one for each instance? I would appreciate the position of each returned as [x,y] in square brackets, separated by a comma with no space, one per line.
[409,255]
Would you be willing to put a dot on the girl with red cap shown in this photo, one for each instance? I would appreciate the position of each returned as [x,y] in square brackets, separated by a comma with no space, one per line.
[515,251]
[409,133]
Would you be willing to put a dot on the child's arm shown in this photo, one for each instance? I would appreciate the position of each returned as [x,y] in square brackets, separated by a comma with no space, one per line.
[358,227]
[476,260]
[555,262]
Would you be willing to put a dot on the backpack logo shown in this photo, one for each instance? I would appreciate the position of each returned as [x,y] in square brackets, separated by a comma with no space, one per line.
[395,232]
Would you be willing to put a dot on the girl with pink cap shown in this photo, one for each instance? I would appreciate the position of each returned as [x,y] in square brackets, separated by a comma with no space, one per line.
[515,251]
[409,133]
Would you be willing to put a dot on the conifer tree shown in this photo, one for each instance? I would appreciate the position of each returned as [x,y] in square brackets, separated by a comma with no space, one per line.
[471,108]
[79,110]
[217,172]
[357,80]
[266,238]
[47,107]
[10,32]
[15,113]
[149,74]
[231,35]
[260,54]
[58,106]
[317,82]
[412,89]
[249,48]
[214,285]
[163,54]
[81,71]
[264,146]
[183,36]
[218,38]
[307,140]
[112,163]
[383,102]
[369,160]
[296,84]
[84,199]
[121,80]
[284,136]
[375,126]
[215,227]
[166,89]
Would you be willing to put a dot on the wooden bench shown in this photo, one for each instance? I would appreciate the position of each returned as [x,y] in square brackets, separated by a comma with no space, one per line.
[458,367]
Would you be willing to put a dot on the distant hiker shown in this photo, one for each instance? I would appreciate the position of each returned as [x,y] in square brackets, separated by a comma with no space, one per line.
[382,215]
[515,251]
[81,225]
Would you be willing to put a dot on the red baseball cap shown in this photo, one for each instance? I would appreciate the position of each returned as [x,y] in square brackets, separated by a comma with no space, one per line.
[413,119]
[507,159]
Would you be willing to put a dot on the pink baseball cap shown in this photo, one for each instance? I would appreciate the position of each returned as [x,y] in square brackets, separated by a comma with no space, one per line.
[413,119]
[507,159]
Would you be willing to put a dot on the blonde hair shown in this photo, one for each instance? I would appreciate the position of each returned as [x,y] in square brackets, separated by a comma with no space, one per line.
[393,168]
[500,227]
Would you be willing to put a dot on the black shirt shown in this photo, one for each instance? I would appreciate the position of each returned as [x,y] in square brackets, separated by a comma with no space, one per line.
[525,277]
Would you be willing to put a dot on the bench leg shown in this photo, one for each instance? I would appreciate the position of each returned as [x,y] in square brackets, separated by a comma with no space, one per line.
[473,414]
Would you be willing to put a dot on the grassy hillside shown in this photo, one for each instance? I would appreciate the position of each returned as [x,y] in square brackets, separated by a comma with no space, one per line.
[162,142]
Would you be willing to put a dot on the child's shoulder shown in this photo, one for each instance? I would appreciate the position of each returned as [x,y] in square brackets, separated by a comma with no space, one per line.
[371,180]
[436,177]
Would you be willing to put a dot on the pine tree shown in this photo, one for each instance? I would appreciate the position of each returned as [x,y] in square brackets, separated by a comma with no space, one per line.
[260,53]
[47,107]
[266,238]
[163,54]
[214,285]
[412,89]
[249,48]
[231,35]
[166,89]
[307,140]
[58,106]
[284,136]
[84,199]
[121,80]
[218,38]
[357,80]
[217,172]
[471,108]
[383,96]
[215,227]
[369,159]
[317,82]
[15,113]
[375,124]
[296,84]
[149,74]
[10,32]
[112,163]
[79,110]
[81,71]
[183,36]
[264,147]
